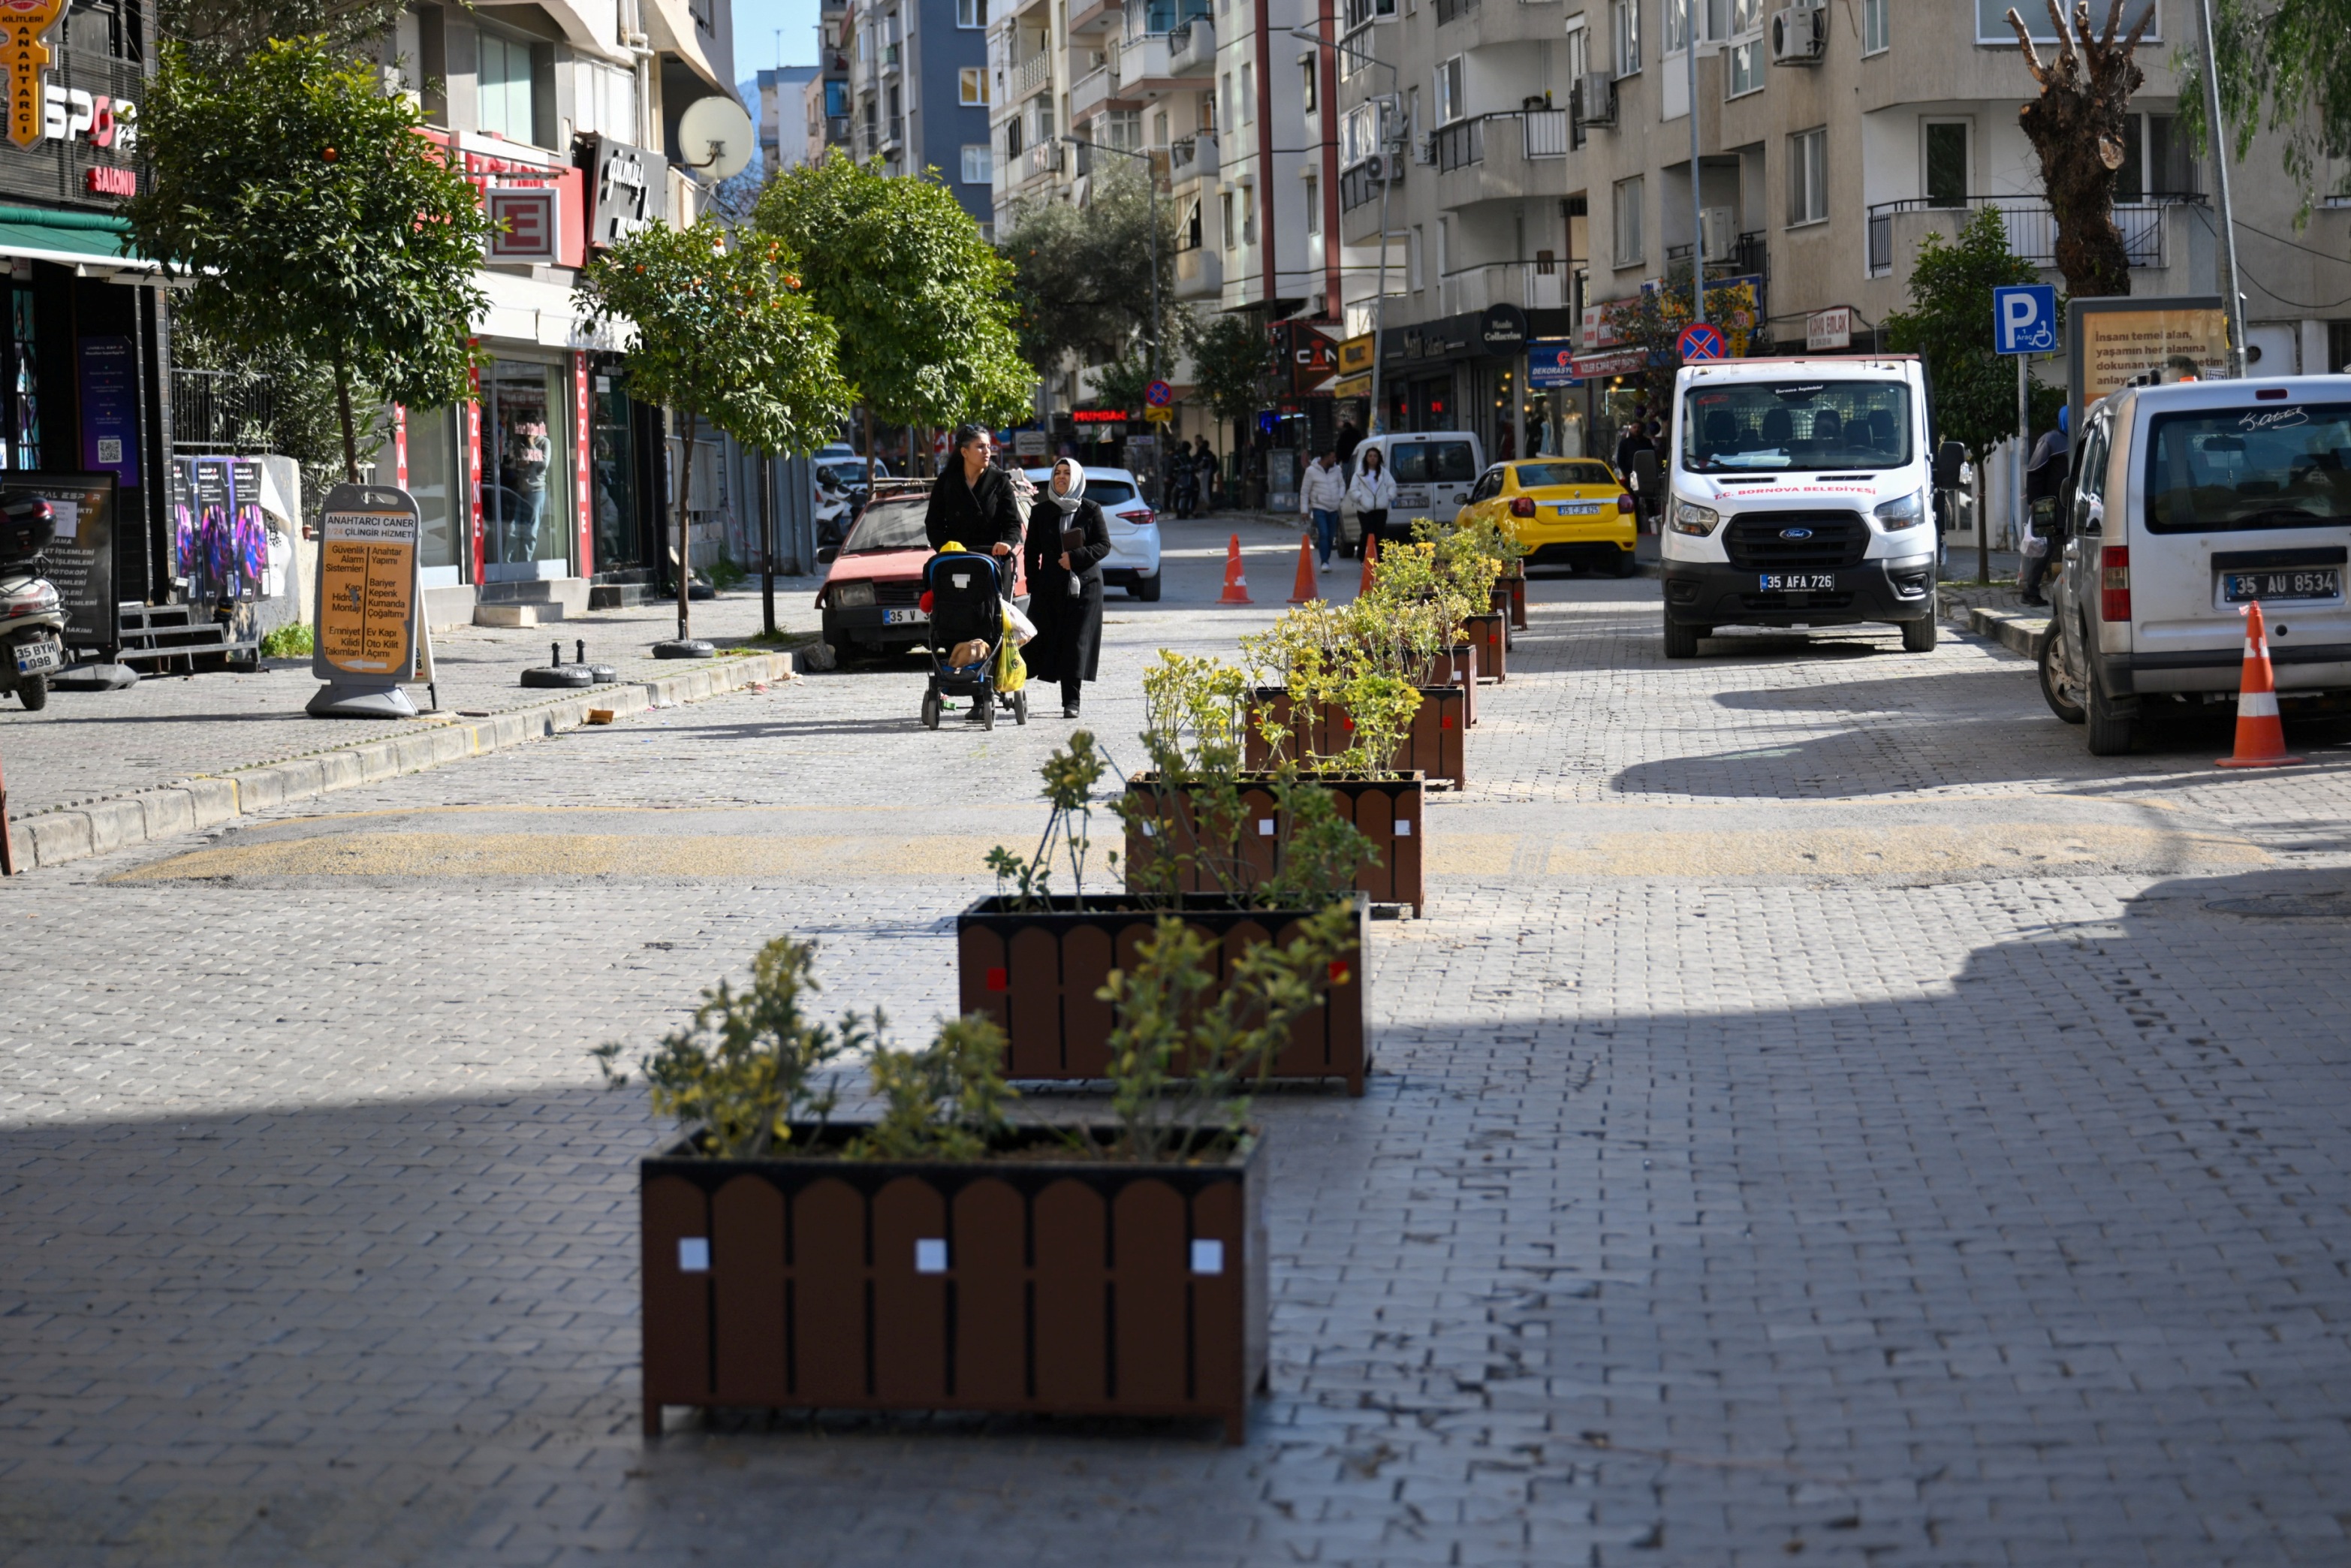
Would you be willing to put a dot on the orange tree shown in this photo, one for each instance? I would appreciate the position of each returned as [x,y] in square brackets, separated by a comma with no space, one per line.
[725,332]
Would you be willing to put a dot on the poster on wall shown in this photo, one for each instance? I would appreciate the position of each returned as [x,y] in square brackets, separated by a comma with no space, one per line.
[109,409]
[2111,342]
[81,558]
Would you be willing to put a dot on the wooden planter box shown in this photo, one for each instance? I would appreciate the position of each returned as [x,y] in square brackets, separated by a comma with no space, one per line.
[1388,811]
[1516,586]
[1058,1286]
[1490,635]
[1036,972]
[1432,747]
[1458,668]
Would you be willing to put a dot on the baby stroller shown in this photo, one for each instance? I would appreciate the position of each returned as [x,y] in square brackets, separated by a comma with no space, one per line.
[966,608]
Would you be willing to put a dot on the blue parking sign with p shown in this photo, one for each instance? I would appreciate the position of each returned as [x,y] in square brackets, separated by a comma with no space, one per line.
[2024,319]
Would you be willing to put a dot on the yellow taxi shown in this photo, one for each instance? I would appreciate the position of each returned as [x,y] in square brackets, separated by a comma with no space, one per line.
[1566,511]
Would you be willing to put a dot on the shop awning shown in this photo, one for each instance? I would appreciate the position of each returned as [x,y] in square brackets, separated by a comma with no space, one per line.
[94,240]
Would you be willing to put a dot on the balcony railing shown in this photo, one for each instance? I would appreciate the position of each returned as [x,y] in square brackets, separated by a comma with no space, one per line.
[2033,226]
[1031,75]
[1192,158]
[1192,48]
[1543,134]
[1459,145]
[1359,185]
[1746,259]
[1454,10]
[1546,132]
[1091,88]
[1525,284]
[1155,18]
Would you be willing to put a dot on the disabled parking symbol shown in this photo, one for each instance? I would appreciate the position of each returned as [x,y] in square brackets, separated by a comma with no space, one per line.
[2025,319]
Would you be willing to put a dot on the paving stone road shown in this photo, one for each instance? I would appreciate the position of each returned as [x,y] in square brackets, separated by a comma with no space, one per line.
[1825,1116]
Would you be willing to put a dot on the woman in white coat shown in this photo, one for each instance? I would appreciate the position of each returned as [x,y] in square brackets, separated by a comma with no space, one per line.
[1374,493]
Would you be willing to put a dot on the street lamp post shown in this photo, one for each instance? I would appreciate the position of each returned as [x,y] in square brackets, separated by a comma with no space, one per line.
[1150,179]
[1379,299]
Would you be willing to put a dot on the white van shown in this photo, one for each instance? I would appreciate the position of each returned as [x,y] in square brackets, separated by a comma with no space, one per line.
[1434,470]
[1801,494]
[2188,503]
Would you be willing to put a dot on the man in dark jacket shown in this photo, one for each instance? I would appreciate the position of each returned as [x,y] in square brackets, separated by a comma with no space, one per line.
[2044,480]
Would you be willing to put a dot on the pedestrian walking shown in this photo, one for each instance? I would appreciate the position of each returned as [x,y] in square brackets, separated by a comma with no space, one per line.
[1374,492]
[1067,542]
[2045,482]
[1318,495]
[972,504]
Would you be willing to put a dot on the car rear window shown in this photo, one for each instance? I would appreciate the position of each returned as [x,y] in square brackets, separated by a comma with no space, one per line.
[1437,462]
[2221,469]
[1540,476]
[1108,492]
[890,525]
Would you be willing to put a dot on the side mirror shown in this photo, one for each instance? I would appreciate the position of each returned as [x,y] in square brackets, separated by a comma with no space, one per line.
[1648,473]
[1949,458]
[828,555]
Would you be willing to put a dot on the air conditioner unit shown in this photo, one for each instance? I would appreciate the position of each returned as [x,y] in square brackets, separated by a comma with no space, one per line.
[1721,235]
[1800,35]
[1424,149]
[1595,99]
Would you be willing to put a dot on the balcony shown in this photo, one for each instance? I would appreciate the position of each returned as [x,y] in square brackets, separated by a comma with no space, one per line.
[1031,75]
[1193,158]
[1546,132]
[1093,90]
[1506,157]
[1896,228]
[1360,185]
[1521,282]
[1448,11]
[1361,12]
[1192,49]
[1747,258]
[1199,274]
[1044,158]
[1157,19]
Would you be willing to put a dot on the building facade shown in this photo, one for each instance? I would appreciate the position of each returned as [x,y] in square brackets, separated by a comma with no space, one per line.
[1536,160]
[919,92]
[787,133]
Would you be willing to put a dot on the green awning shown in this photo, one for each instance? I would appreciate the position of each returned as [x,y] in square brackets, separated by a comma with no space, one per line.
[69,239]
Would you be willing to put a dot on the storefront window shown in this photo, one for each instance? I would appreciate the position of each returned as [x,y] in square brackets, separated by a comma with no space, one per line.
[432,480]
[526,472]
[612,475]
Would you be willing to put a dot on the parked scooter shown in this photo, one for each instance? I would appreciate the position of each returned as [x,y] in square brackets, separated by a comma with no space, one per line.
[834,513]
[32,617]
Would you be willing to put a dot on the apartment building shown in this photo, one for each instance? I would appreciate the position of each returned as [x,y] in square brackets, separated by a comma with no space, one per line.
[825,99]
[918,88]
[786,131]
[1535,156]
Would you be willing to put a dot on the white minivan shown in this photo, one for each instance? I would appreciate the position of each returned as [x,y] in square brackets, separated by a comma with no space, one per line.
[2188,503]
[1433,469]
[1800,494]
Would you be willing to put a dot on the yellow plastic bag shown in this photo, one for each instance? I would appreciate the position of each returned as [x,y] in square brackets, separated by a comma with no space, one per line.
[1011,669]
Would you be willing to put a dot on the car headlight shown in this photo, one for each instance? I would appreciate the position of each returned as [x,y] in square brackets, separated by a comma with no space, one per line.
[852,595]
[1902,512]
[1689,517]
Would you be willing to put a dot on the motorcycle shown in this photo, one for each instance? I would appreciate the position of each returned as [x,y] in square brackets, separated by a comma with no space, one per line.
[32,617]
[1188,491]
[835,513]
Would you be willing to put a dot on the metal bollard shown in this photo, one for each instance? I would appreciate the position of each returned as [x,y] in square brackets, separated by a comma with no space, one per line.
[555,654]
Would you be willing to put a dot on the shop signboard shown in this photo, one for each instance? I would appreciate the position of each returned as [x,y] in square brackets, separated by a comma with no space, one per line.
[2113,342]
[1829,329]
[1612,362]
[1550,364]
[71,119]
[110,408]
[1029,443]
[23,53]
[1355,356]
[626,180]
[526,222]
[1502,327]
[81,558]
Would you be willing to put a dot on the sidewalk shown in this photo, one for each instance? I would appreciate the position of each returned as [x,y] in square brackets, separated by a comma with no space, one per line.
[94,770]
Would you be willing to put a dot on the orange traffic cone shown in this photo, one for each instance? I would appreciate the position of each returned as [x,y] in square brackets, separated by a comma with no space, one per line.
[1303,589]
[1236,581]
[1371,553]
[2260,739]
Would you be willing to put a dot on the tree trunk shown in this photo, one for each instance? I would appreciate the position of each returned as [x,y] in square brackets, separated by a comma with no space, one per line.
[685,570]
[343,408]
[2078,127]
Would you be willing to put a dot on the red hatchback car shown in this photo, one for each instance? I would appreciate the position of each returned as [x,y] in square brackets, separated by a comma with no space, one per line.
[872,597]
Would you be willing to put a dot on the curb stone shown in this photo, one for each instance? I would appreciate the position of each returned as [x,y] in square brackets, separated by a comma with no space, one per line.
[100,826]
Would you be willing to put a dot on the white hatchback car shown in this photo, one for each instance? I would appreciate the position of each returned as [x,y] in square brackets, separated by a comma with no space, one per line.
[1133,560]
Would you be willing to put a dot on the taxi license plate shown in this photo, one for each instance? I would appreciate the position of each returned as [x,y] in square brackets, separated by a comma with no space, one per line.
[904,617]
[1578,508]
[38,657]
[2244,587]
[1796,581]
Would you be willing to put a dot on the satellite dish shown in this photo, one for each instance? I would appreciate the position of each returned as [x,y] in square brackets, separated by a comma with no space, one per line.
[715,138]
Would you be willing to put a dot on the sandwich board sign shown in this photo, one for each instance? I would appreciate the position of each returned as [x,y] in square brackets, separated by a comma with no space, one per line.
[370,605]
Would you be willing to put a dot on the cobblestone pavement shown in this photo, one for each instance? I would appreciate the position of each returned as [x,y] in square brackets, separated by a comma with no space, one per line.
[1826,1115]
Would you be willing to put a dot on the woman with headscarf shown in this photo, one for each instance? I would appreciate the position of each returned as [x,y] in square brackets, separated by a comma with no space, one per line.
[972,504]
[1067,541]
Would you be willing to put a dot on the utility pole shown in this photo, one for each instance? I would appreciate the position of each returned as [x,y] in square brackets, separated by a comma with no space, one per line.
[2219,133]
[1697,189]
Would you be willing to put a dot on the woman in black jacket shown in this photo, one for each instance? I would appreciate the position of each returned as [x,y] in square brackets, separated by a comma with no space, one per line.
[1067,541]
[972,504]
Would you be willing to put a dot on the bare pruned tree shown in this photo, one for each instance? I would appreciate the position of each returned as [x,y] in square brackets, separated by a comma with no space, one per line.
[2077,126]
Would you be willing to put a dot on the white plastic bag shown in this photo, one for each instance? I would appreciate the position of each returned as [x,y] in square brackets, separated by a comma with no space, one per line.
[2034,547]
[1018,624]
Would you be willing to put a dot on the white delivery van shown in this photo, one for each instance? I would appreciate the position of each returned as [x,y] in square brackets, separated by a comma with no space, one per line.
[1800,493]
[1434,470]
[2187,503]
